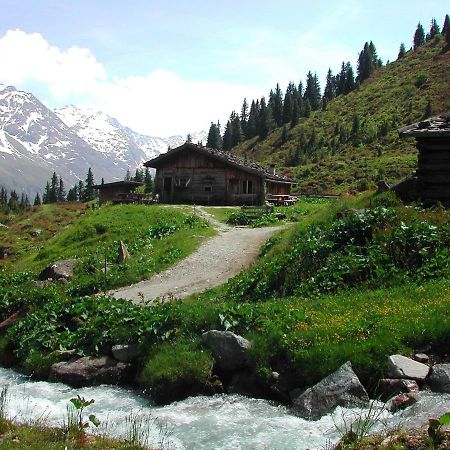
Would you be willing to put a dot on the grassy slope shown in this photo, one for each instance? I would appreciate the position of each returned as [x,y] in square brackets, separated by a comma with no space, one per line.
[392,97]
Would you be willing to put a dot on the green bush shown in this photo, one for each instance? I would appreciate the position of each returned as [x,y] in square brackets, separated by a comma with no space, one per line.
[176,369]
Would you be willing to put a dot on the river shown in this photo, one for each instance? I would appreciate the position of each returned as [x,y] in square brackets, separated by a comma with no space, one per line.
[219,422]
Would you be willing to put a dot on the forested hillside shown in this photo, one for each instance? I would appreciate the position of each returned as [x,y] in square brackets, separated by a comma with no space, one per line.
[346,138]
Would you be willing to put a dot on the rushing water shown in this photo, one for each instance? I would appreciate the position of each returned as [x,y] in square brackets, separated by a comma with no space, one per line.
[220,422]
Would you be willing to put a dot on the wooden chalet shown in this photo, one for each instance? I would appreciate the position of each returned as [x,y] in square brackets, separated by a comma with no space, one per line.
[120,192]
[431,182]
[195,174]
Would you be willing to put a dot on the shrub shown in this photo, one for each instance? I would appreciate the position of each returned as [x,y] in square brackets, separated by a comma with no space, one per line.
[175,370]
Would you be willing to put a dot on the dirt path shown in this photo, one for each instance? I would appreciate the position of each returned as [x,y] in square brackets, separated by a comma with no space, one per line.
[213,263]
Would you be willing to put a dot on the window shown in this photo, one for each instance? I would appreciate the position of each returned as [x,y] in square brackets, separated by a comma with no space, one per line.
[247,187]
[208,188]
[182,182]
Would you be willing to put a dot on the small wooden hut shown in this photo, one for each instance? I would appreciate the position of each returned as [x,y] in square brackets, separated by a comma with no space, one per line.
[195,174]
[432,181]
[119,192]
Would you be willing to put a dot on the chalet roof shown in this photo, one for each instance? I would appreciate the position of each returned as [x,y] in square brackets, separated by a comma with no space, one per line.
[124,184]
[224,156]
[438,126]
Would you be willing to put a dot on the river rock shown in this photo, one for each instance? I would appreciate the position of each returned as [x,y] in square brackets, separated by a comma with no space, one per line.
[89,371]
[59,269]
[439,380]
[388,387]
[400,366]
[341,388]
[230,351]
[125,353]
[402,401]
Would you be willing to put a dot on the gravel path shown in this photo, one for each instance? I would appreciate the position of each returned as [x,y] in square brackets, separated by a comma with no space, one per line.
[213,263]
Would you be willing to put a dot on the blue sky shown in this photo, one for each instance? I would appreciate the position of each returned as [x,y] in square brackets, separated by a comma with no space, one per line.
[137,59]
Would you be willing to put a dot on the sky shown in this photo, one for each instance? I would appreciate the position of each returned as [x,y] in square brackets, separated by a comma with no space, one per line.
[165,67]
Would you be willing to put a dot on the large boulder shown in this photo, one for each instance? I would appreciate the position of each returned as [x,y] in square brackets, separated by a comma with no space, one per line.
[400,366]
[390,387]
[230,351]
[89,371]
[439,380]
[59,269]
[341,388]
[125,352]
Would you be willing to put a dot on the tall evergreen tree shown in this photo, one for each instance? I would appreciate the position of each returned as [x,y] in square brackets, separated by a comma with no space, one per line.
[368,62]
[252,122]
[266,122]
[148,180]
[54,185]
[447,34]
[307,110]
[37,200]
[446,24]
[138,175]
[46,196]
[89,193]
[13,202]
[80,191]
[244,116]
[287,106]
[227,142]
[434,29]
[3,197]
[189,138]
[276,104]
[401,51]
[295,114]
[419,36]
[312,91]
[127,175]
[236,129]
[330,89]
[72,194]
[349,84]
[214,139]
[61,191]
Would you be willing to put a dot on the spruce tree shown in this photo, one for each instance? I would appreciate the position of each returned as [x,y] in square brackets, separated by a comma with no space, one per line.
[446,25]
[307,111]
[54,185]
[72,194]
[236,129]
[401,51]
[276,104]
[3,197]
[37,200]
[13,202]
[89,187]
[227,142]
[244,116]
[312,91]
[284,134]
[80,191]
[189,138]
[138,175]
[266,122]
[287,106]
[349,84]
[127,175]
[214,139]
[252,122]
[46,196]
[447,35]
[295,114]
[330,89]
[419,36]
[148,180]
[61,191]
[434,29]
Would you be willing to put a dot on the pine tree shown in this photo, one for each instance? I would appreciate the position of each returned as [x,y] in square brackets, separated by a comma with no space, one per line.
[148,180]
[227,142]
[3,197]
[244,116]
[276,104]
[266,122]
[214,139]
[446,25]
[72,194]
[252,122]
[368,62]
[61,191]
[138,175]
[434,29]
[447,34]
[330,89]
[13,202]
[80,191]
[236,129]
[349,84]
[402,51]
[189,138]
[307,111]
[419,36]
[287,106]
[37,200]
[54,185]
[295,114]
[46,196]
[284,135]
[127,175]
[89,187]
[312,91]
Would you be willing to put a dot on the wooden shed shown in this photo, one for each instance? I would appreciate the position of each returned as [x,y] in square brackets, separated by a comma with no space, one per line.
[432,180]
[195,174]
[118,191]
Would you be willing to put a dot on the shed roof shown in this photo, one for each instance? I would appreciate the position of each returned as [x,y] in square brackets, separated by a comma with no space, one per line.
[225,157]
[437,126]
[125,184]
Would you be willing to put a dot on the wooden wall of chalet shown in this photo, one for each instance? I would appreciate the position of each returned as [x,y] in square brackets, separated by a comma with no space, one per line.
[108,194]
[190,177]
[433,172]
[279,188]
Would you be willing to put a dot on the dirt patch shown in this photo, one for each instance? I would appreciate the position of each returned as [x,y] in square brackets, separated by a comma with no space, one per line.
[216,260]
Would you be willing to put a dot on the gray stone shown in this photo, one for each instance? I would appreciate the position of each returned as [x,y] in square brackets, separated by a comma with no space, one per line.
[59,269]
[35,233]
[400,366]
[89,371]
[389,387]
[341,388]
[125,353]
[230,351]
[439,380]
[422,358]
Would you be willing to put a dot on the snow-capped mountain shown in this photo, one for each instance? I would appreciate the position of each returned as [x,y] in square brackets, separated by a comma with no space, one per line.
[35,141]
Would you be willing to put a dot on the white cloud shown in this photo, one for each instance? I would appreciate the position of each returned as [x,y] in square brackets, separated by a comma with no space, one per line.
[161,103]
[29,57]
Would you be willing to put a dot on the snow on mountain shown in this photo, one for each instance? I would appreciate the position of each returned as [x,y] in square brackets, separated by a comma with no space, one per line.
[35,141]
